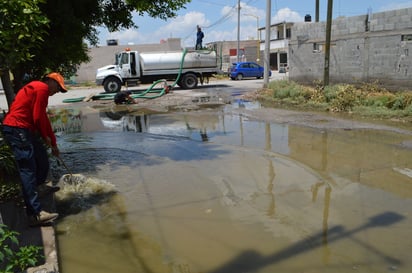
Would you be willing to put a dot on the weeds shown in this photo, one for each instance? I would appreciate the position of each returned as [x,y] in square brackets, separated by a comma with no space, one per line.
[368,97]
[13,257]
[284,89]
[345,98]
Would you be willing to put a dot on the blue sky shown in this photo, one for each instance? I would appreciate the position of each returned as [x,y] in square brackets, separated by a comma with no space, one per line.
[218,19]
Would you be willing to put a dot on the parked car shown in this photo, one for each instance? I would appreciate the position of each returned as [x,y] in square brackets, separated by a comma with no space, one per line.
[241,70]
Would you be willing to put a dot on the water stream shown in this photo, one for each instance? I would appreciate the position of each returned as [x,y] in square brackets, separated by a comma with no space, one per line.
[211,191]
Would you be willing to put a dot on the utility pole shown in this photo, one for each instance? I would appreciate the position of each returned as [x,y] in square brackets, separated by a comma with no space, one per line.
[317,11]
[266,59]
[258,39]
[327,43]
[257,36]
[238,31]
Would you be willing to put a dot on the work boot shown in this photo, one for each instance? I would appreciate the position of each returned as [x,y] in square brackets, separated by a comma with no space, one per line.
[44,190]
[43,218]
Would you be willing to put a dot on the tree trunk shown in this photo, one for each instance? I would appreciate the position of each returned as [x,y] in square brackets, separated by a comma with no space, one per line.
[8,88]
[18,74]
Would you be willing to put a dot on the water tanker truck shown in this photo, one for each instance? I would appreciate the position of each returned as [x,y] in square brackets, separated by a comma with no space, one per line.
[133,67]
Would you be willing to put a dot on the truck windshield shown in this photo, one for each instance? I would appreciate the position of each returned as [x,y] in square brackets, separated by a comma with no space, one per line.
[125,58]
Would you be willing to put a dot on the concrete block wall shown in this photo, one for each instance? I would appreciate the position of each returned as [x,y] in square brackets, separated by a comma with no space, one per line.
[357,54]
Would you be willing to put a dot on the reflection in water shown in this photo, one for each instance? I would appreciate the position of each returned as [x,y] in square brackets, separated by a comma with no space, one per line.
[203,135]
[268,139]
[138,123]
[254,197]
[250,260]
[326,249]
[65,120]
[126,121]
[271,175]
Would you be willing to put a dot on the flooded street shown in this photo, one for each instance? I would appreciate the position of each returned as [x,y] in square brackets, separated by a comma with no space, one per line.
[220,191]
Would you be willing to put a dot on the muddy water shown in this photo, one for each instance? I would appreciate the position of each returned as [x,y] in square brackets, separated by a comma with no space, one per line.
[214,192]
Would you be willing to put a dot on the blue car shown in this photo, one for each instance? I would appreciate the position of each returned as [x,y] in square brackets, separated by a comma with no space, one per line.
[241,70]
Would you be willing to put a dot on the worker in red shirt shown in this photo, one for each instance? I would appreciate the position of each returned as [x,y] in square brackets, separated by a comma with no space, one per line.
[27,129]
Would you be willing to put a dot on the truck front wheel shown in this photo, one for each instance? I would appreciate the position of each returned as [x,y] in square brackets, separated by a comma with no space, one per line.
[112,85]
[188,81]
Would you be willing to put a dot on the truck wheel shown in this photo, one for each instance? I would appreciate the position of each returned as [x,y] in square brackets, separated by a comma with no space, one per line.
[188,81]
[112,85]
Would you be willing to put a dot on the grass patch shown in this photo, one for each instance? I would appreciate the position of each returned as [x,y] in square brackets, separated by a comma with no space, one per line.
[369,99]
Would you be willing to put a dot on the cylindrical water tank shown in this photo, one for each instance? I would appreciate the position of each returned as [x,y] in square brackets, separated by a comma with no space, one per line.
[172,60]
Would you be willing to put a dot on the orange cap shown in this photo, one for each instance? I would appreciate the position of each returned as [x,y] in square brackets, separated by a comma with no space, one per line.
[59,79]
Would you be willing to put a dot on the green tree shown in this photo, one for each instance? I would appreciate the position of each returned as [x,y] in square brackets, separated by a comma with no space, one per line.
[72,22]
[22,29]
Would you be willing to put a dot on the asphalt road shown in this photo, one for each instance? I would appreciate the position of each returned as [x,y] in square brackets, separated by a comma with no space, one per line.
[225,85]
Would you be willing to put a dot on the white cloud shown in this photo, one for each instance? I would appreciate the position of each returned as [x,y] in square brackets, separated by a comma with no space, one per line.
[229,12]
[286,14]
[232,12]
[227,23]
[246,9]
[124,37]
[183,27]
[221,35]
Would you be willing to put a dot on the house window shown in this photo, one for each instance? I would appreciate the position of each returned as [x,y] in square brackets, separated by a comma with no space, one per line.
[317,48]
[288,33]
[406,37]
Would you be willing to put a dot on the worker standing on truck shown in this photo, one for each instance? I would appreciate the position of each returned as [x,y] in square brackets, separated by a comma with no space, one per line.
[199,37]
[27,129]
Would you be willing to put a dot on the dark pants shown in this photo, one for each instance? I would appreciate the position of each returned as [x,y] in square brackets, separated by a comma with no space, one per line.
[32,162]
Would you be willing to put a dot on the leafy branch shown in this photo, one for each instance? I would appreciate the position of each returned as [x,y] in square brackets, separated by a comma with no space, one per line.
[13,257]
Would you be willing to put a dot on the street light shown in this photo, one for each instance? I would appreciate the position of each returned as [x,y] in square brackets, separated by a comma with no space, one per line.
[257,36]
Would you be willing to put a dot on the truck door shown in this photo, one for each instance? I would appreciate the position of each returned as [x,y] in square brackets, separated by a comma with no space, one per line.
[125,70]
[133,64]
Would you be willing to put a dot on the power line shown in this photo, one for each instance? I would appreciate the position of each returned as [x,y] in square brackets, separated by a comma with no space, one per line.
[221,20]
[228,14]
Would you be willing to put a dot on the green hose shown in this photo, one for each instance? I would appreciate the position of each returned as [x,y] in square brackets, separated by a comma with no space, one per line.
[181,68]
[80,99]
[163,90]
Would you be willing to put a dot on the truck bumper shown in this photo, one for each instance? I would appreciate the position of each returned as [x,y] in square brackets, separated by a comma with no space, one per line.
[99,81]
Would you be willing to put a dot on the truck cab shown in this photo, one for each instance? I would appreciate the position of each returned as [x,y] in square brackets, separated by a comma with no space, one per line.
[127,63]
[125,68]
